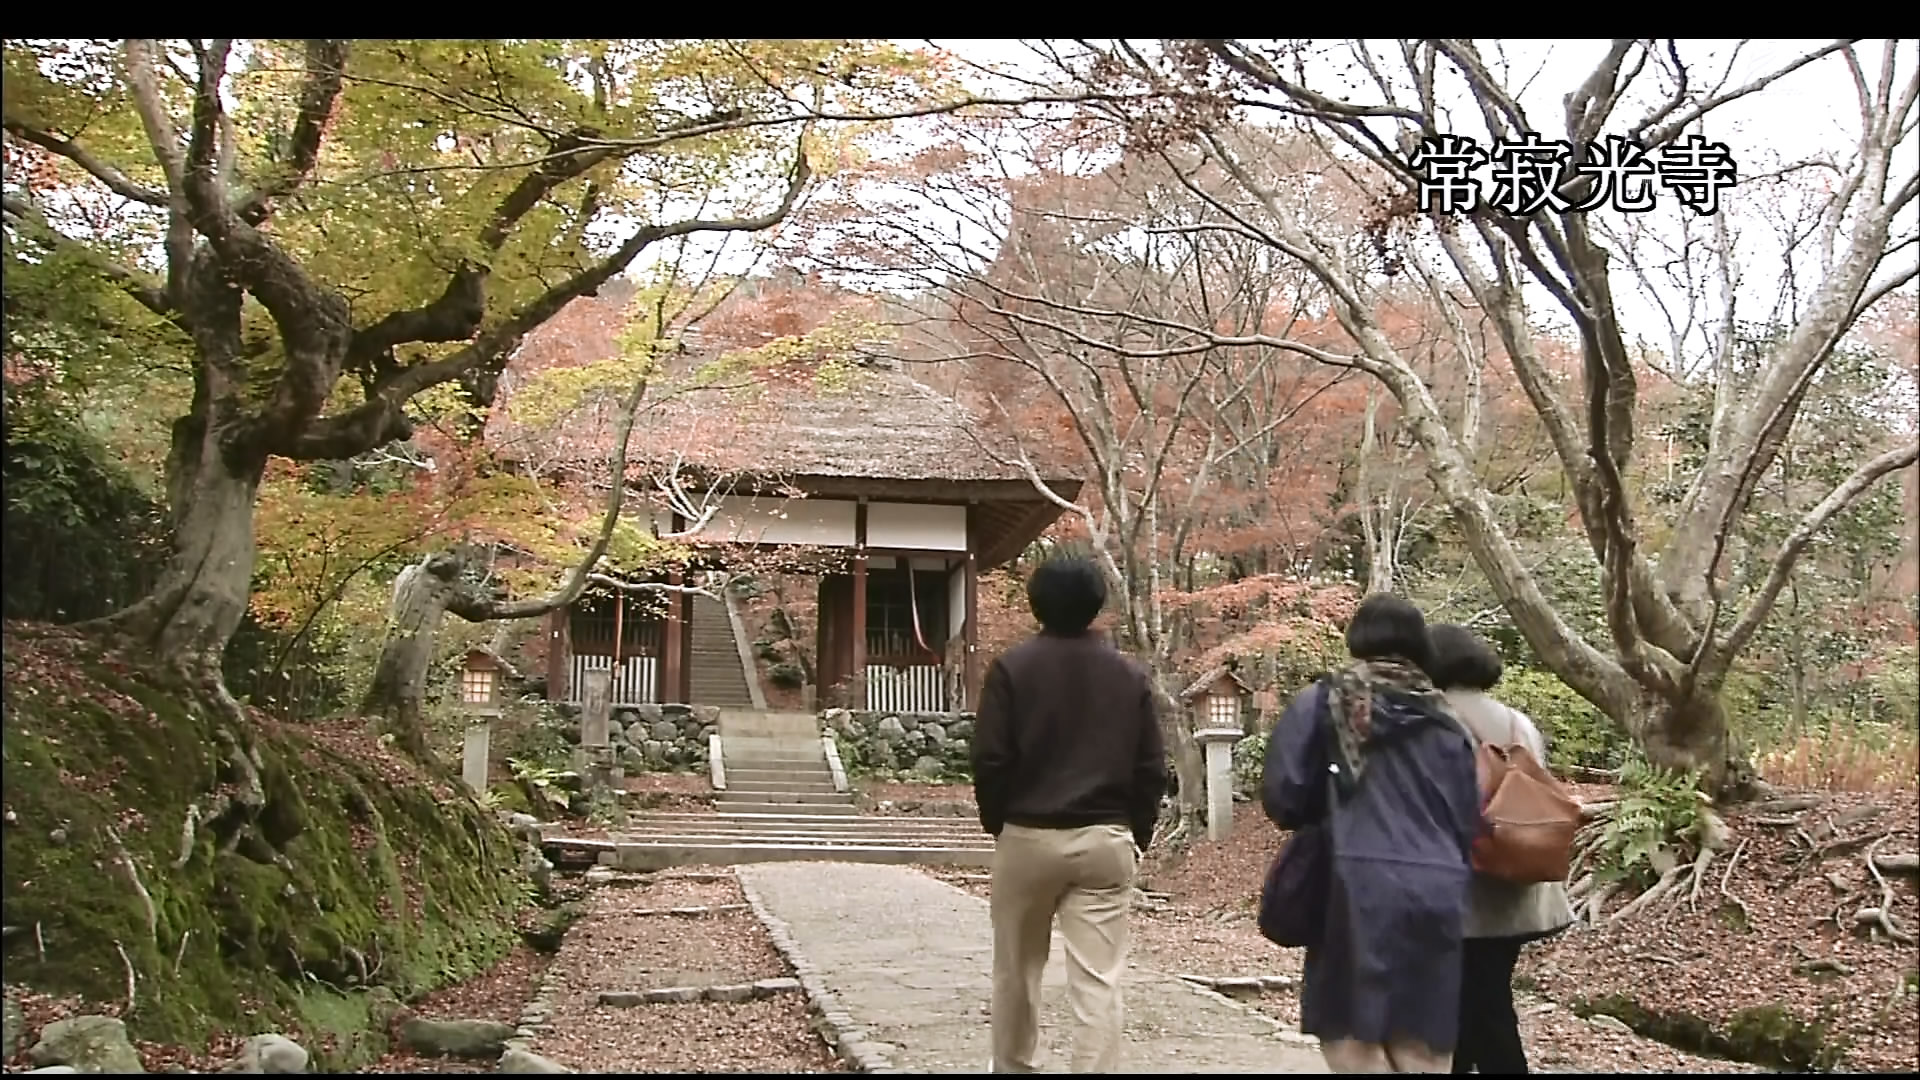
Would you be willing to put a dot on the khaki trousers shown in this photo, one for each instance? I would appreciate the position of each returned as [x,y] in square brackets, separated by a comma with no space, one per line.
[1085,877]
[1399,1056]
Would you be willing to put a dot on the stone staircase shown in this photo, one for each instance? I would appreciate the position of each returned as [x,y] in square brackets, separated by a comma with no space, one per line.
[713,661]
[783,800]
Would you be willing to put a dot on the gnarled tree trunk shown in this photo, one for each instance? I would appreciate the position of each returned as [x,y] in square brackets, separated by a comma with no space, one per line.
[422,594]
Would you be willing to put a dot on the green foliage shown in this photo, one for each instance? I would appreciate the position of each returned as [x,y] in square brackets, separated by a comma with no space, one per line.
[1576,732]
[82,537]
[542,780]
[1658,816]
[1249,763]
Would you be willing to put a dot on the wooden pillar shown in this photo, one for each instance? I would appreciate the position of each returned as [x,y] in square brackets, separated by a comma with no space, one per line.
[619,626]
[683,612]
[971,628]
[559,649]
[670,665]
[860,605]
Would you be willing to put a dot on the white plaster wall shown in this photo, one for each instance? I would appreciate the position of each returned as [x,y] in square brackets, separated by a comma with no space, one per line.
[917,526]
[920,562]
[772,520]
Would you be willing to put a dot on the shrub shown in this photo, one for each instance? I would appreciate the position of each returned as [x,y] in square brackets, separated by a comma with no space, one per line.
[1576,732]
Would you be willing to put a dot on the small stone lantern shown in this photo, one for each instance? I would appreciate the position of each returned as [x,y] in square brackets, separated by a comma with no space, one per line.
[1217,700]
[481,674]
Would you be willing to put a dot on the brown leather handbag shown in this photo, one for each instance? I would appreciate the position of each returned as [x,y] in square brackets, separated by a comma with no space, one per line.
[1528,820]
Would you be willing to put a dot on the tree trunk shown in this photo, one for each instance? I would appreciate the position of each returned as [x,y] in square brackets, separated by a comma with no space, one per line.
[1189,767]
[201,597]
[421,595]
[1693,734]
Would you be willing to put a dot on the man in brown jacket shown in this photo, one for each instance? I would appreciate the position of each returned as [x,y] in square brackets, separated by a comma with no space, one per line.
[1068,772]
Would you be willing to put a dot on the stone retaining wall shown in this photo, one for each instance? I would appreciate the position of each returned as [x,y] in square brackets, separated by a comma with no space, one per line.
[652,738]
[930,745]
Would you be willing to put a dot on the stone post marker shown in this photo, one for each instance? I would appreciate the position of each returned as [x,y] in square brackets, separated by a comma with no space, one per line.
[1219,748]
[596,734]
[473,757]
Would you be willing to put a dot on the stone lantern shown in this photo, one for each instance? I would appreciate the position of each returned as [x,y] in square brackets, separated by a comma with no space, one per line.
[1217,701]
[481,674]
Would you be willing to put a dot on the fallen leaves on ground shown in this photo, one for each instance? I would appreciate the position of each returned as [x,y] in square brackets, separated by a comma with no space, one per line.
[674,783]
[614,947]
[900,798]
[500,993]
[1700,959]
[770,1036]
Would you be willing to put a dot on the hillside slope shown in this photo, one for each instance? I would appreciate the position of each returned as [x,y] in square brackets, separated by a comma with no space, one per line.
[144,860]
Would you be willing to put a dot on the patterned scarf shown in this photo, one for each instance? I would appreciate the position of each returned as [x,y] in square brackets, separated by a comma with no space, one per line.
[1350,693]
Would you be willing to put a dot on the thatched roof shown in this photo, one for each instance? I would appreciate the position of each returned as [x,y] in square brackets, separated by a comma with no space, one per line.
[865,430]
[861,422]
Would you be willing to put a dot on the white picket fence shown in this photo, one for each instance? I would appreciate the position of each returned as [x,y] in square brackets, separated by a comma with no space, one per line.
[633,683]
[915,688]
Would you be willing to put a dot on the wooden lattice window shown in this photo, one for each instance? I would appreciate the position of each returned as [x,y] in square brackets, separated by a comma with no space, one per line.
[476,686]
[1223,710]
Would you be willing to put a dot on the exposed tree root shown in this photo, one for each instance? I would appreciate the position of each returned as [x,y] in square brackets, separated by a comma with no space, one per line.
[1727,878]
[1646,899]
[1579,888]
[188,832]
[128,965]
[1908,863]
[1881,918]
[125,862]
[1698,878]
[1596,901]
[1841,846]
[1789,804]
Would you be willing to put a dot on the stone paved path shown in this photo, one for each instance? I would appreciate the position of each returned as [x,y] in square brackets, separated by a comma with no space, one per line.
[910,959]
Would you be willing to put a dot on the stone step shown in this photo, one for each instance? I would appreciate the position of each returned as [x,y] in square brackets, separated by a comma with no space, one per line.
[741,794]
[760,835]
[820,784]
[770,762]
[854,841]
[796,740]
[702,818]
[824,825]
[810,772]
[659,856]
[732,808]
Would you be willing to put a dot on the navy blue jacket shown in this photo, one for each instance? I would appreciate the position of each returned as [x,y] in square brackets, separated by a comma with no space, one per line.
[1389,965]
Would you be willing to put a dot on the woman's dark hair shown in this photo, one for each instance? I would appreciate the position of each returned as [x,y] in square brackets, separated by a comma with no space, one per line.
[1387,626]
[1461,659]
[1065,594]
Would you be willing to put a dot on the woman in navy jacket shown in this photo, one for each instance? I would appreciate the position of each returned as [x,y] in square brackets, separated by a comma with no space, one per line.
[1375,751]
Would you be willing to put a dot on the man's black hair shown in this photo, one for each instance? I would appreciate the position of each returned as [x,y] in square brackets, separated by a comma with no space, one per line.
[1388,626]
[1461,659]
[1065,594]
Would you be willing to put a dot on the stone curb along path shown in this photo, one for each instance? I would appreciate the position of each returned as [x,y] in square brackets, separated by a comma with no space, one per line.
[899,967]
[836,1024]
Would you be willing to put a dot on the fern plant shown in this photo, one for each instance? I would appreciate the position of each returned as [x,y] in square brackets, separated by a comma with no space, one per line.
[1657,821]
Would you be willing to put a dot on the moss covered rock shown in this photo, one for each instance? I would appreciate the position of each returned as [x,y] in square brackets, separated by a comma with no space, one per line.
[1767,1035]
[265,877]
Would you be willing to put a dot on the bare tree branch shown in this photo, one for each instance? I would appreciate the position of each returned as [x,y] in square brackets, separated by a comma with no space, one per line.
[1803,533]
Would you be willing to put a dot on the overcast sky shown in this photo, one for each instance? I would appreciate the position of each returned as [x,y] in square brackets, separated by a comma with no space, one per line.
[1811,113]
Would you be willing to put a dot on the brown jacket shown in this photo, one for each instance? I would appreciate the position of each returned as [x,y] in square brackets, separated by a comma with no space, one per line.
[1066,736]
